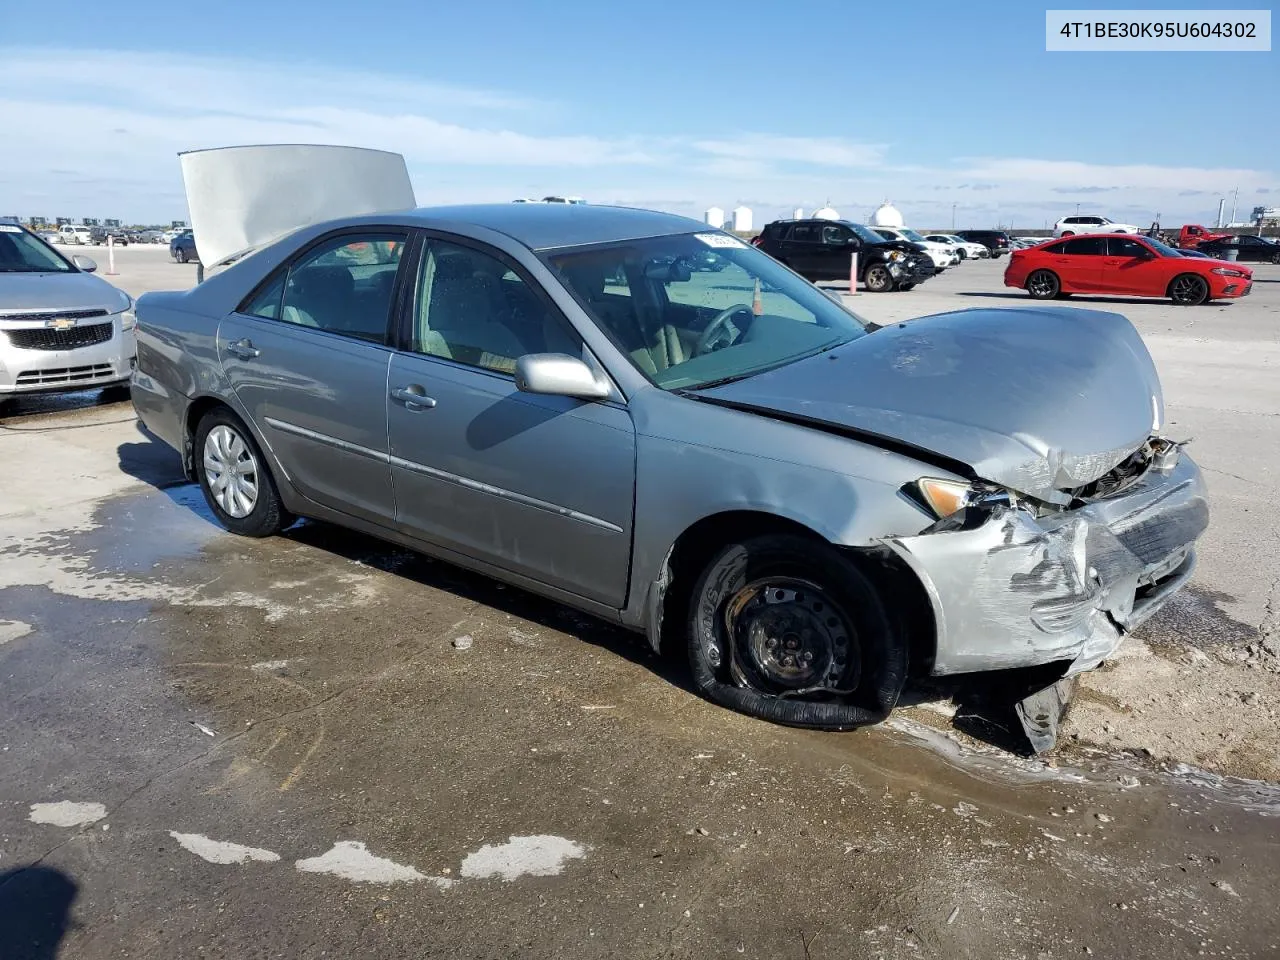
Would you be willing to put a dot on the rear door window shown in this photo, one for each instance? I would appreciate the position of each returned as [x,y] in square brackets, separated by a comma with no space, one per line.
[1125,247]
[805,233]
[1085,247]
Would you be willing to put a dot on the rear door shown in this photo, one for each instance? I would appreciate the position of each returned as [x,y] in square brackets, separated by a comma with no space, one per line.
[307,355]
[542,486]
[803,252]
[1078,263]
[1130,267]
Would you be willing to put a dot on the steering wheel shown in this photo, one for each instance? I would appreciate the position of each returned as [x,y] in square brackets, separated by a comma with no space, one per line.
[721,328]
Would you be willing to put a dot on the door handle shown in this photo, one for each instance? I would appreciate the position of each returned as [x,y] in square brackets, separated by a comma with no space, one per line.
[413,398]
[243,349]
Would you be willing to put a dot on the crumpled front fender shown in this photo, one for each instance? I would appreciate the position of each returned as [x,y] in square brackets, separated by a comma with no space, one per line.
[1018,590]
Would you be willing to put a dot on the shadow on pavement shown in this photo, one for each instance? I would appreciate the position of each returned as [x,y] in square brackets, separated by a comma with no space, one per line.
[151,460]
[35,912]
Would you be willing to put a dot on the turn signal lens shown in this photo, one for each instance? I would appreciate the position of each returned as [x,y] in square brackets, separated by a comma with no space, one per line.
[944,497]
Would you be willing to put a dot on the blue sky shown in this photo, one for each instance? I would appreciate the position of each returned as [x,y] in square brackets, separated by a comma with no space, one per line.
[665,104]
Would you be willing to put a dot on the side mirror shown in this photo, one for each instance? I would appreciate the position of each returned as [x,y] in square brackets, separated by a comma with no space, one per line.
[560,375]
[84,263]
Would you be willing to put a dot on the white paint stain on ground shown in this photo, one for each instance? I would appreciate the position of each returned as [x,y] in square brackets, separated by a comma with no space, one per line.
[351,860]
[269,666]
[66,813]
[13,630]
[221,851]
[537,856]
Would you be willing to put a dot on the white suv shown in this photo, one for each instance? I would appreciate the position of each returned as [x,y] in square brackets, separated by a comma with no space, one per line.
[943,255]
[74,233]
[1069,226]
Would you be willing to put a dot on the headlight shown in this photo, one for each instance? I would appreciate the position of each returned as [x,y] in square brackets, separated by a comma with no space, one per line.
[1228,272]
[895,254]
[128,319]
[944,497]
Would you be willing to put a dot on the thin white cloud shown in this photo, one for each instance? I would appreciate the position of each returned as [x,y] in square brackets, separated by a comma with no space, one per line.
[107,145]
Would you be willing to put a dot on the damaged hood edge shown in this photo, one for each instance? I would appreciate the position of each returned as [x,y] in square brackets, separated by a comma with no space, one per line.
[1038,401]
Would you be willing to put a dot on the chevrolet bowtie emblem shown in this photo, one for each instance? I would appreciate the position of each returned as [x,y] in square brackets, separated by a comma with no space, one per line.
[60,323]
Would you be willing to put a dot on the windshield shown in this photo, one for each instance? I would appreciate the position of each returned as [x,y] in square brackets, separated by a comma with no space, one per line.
[864,233]
[1162,248]
[911,235]
[695,310]
[22,253]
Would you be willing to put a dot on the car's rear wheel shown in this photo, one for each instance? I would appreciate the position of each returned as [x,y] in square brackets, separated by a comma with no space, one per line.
[1275,258]
[181,255]
[235,479]
[1068,233]
[1043,285]
[1188,290]
[785,628]
[906,286]
[878,279]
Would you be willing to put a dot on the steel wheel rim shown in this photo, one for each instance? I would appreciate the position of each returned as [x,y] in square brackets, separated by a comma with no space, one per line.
[790,637]
[1186,289]
[1040,284]
[230,471]
[877,277]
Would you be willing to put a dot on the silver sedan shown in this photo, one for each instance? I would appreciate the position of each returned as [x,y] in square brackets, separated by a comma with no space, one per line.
[728,461]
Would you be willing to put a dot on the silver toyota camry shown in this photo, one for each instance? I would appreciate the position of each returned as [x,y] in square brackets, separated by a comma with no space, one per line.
[566,398]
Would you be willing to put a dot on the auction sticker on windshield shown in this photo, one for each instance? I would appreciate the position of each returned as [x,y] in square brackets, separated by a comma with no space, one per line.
[719,240]
[9,228]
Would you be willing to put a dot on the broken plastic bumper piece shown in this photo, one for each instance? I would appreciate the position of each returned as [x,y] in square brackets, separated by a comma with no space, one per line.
[1018,590]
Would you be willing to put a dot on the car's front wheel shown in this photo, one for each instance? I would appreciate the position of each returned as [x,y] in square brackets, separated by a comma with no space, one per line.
[961,254]
[1188,290]
[786,628]
[235,479]
[878,279]
[1043,285]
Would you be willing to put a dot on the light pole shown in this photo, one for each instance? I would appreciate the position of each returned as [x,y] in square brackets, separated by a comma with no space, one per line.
[953,218]
[1077,208]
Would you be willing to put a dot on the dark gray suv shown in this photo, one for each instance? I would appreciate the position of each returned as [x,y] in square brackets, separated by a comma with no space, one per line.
[822,250]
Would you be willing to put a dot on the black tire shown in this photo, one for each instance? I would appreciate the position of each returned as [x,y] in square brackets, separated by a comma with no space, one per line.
[1068,233]
[1188,290]
[906,286]
[961,254]
[878,279]
[1275,258]
[181,255]
[268,515]
[116,393]
[834,627]
[1043,285]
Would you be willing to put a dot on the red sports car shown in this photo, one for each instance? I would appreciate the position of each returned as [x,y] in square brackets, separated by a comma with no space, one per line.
[1123,265]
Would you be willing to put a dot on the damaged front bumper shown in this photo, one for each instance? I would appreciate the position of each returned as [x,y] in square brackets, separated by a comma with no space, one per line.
[1019,590]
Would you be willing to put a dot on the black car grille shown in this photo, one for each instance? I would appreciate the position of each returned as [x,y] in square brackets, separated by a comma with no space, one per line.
[47,338]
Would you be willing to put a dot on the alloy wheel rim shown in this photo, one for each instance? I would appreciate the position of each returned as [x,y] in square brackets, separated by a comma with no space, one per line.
[1186,288]
[231,471]
[790,637]
[1042,284]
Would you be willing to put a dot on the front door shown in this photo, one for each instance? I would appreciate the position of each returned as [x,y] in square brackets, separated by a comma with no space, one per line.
[541,486]
[308,356]
[1130,267]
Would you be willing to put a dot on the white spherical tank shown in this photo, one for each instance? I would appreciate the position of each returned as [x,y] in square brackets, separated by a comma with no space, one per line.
[797,213]
[742,219]
[887,215]
[714,217]
[826,213]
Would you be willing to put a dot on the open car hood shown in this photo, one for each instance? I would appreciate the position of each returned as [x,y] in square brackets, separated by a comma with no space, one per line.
[1040,401]
[241,198]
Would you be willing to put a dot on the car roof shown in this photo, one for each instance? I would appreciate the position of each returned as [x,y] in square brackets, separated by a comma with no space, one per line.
[545,226]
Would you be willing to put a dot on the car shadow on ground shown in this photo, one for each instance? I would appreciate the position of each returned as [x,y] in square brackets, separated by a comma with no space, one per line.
[15,408]
[35,912]
[1077,299]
